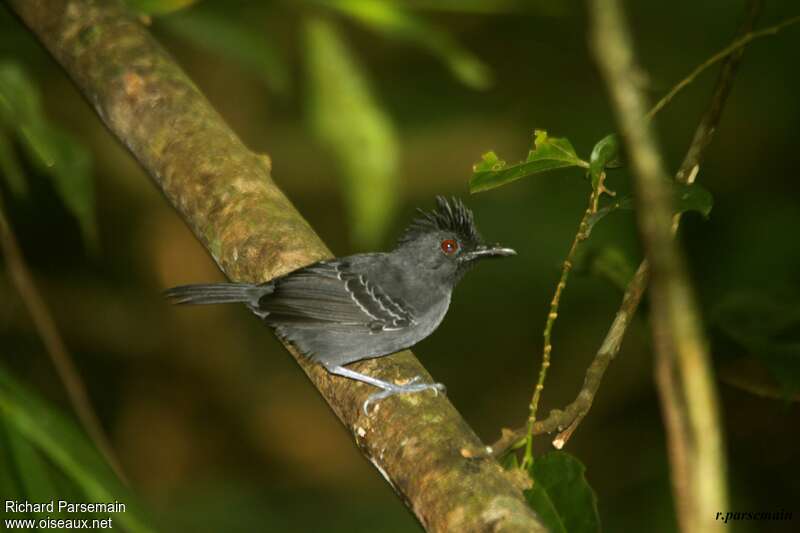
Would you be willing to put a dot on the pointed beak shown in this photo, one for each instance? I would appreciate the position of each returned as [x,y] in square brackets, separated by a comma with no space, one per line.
[483,251]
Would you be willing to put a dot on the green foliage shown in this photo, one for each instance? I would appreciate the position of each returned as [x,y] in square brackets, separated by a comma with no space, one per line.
[395,22]
[765,328]
[605,154]
[561,496]
[692,197]
[51,149]
[217,31]
[39,442]
[10,167]
[684,198]
[158,7]
[355,129]
[609,263]
[548,153]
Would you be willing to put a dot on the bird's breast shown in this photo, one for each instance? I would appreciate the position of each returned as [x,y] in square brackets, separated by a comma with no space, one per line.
[433,316]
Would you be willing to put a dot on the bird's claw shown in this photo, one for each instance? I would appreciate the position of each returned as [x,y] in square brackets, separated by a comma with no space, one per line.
[411,386]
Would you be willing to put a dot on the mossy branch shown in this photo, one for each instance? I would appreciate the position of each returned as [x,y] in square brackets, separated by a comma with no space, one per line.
[226,195]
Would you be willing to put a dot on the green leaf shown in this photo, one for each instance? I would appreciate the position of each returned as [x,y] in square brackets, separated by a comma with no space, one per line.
[10,167]
[624,203]
[58,439]
[10,480]
[605,154]
[19,98]
[36,475]
[684,198]
[69,164]
[218,32]
[767,328]
[357,132]
[485,7]
[548,153]
[52,150]
[393,21]
[158,7]
[609,263]
[561,496]
[691,198]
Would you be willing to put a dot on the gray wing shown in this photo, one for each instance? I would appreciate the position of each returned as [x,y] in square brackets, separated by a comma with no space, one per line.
[331,293]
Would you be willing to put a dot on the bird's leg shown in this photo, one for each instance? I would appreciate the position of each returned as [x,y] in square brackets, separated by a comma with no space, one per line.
[388,389]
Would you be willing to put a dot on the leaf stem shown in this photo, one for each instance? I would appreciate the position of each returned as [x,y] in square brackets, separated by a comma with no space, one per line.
[566,268]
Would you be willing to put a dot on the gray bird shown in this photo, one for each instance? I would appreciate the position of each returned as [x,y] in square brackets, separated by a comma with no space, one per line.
[362,306]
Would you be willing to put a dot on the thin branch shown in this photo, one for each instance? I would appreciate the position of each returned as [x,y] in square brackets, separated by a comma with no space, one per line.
[693,427]
[567,420]
[735,47]
[707,128]
[566,268]
[225,193]
[54,344]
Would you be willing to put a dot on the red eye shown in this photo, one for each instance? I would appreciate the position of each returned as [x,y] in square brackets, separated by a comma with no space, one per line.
[450,246]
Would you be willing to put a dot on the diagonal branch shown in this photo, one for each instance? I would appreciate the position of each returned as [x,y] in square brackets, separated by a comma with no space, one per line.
[225,193]
[567,420]
[694,431]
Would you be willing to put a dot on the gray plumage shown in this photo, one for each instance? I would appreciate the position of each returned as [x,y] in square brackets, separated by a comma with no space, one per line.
[368,305]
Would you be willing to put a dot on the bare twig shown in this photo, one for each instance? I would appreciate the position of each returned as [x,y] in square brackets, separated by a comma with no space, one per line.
[574,413]
[693,426]
[735,47]
[566,420]
[226,194]
[566,268]
[54,344]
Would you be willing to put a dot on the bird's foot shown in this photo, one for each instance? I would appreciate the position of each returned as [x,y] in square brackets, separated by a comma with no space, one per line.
[411,386]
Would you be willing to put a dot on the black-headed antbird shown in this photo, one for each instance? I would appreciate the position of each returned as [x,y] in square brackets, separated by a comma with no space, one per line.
[344,310]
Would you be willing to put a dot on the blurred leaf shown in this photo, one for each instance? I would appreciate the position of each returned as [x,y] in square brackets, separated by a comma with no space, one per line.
[10,168]
[218,32]
[561,495]
[66,447]
[609,263]
[548,153]
[691,198]
[767,329]
[393,21]
[626,203]
[10,480]
[69,164]
[605,154]
[19,98]
[539,7]
[355,129]
[34,472]
[685,198]
[52,150]
[750,374]
[158,7]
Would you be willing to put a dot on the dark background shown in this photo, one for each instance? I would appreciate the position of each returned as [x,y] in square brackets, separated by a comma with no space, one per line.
[215,424]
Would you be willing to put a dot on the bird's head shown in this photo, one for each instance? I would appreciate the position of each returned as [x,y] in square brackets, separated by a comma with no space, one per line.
[446,240]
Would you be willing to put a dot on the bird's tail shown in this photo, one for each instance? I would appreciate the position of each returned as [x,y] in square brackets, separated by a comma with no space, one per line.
[218,293]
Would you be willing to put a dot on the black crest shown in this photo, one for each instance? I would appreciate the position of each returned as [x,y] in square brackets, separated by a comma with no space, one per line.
[451,216]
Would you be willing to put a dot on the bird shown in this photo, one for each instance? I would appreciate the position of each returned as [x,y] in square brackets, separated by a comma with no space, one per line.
[343,310]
